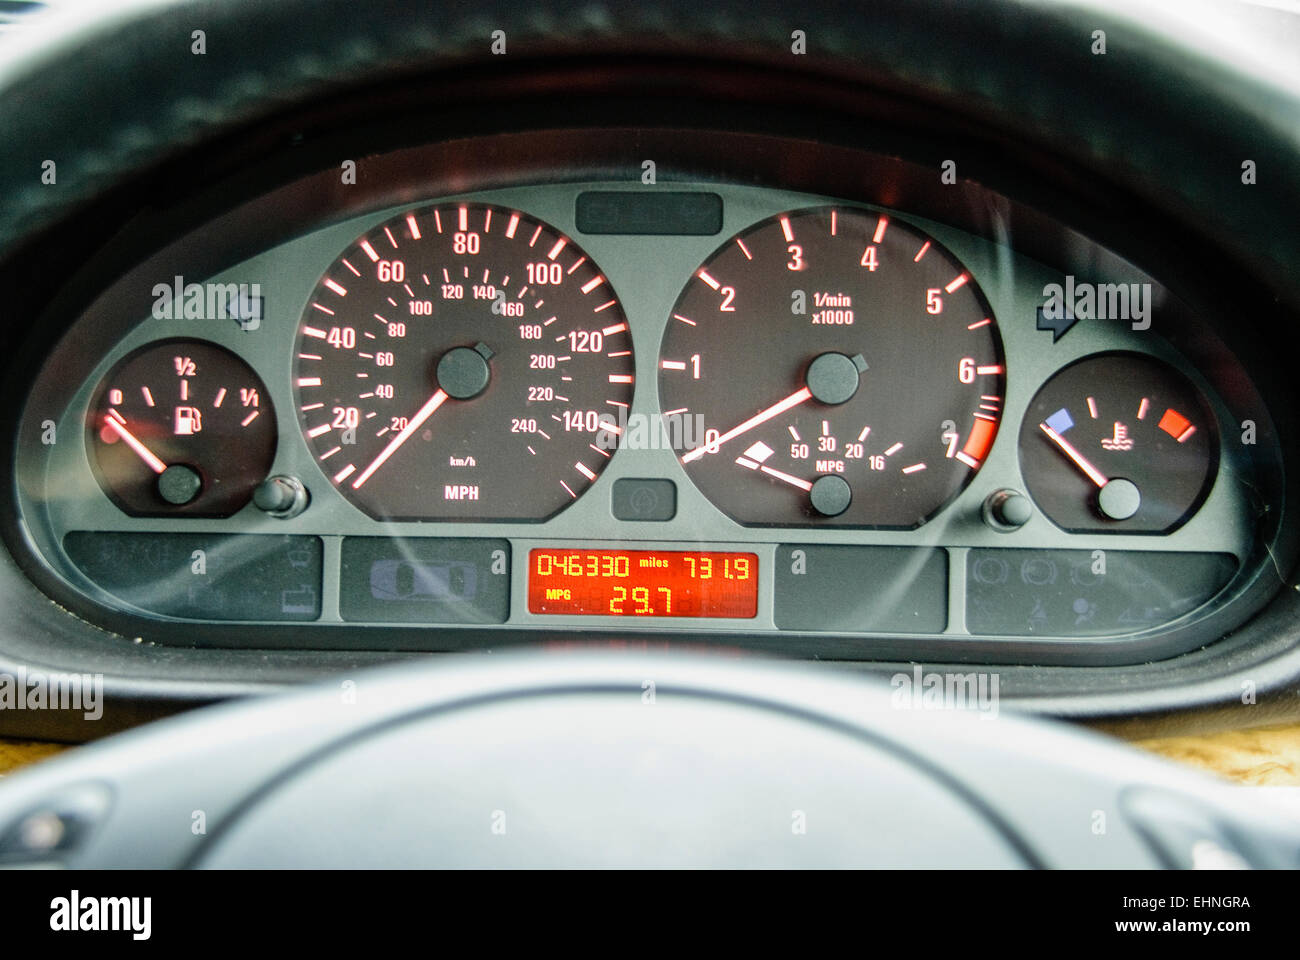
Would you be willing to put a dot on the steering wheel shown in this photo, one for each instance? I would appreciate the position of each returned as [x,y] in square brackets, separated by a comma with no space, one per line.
[586,758]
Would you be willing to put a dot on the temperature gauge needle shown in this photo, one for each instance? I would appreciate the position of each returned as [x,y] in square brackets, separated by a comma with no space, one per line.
[114,419]
[796,398]
[1080,461]
[417,421]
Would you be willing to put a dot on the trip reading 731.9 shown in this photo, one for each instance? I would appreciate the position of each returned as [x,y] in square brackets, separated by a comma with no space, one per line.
[643,583]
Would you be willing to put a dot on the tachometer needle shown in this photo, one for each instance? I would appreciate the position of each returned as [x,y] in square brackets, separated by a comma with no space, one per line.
[114,419]
[796,398]
[1080,461]
[417,421]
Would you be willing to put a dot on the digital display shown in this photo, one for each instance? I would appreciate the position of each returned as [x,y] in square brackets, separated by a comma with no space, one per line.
[643,583]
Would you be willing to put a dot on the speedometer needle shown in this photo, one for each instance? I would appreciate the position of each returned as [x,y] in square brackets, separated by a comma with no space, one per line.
[1080,461]
[114,419]
[796,398]
[417,421]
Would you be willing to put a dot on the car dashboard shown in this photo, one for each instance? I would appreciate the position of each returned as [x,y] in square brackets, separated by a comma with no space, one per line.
[638,352]
[664,408]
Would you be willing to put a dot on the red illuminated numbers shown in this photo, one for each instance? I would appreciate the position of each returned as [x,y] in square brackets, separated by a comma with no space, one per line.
[733,568]
[641,605]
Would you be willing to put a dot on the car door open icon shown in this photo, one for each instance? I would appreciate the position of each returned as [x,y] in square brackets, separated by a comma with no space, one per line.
[413,580]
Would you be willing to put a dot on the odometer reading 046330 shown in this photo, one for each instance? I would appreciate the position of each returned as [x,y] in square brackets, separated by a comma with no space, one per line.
[643,583]
[461,362]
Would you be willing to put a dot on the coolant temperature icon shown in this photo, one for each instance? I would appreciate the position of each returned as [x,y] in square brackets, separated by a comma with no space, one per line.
[1119,438]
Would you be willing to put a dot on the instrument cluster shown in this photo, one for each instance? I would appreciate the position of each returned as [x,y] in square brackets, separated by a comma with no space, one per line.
[749,415]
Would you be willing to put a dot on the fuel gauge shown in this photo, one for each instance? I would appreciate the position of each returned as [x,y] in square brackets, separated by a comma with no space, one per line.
[181,427]
[1118,443]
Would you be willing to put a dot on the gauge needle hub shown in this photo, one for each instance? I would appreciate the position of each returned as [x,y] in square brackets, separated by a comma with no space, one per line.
[1079,460]
[796,398]
[114,419]
[414,424]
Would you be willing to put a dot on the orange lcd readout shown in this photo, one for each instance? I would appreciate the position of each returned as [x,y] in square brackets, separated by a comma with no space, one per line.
[643,583]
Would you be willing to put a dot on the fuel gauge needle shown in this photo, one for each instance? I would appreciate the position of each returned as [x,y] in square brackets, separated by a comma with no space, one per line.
[115,420]
[1080,461]
[415,423]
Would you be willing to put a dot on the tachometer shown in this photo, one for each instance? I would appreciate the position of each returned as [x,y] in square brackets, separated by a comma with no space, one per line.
[462,361]
[845,370]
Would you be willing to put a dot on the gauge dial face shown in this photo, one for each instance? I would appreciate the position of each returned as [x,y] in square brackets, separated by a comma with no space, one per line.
[1118,443]
[462,362]
[832,367]
[181,427]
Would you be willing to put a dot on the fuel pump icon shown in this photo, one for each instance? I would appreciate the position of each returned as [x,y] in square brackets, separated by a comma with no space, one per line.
[189,421]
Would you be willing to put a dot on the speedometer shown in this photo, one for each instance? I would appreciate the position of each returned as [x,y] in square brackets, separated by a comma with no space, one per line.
[845,370]
[462,361]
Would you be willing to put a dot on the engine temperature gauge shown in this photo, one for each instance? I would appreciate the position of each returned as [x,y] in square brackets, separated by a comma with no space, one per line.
[181,427]
[1119,443]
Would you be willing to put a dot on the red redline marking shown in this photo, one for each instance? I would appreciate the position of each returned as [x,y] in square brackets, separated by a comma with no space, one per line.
[980,439]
